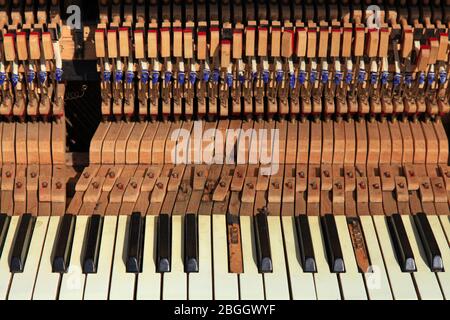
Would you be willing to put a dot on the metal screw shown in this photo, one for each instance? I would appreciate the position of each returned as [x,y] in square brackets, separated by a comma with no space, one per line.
[150,175]
[376,186]
[175,175]
[250,185]
[447,174]
[401,184]
[222,184]
[350,174]
[160,185]
[86,175]
[119,186]
[8,174]
[58,185]
[439,185]
[111,174]
[239,174]
[289,184]
[18,184]
[95,185]
[362,185]
[301,174]
[313,185]
[276,185]
[326,173]
[199,173]
[133,185]
[44,184]
[33,174]
[387,174]
[411,173]
[426,185]
[338,185]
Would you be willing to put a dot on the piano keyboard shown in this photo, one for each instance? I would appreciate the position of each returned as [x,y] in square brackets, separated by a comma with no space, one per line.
[242,150]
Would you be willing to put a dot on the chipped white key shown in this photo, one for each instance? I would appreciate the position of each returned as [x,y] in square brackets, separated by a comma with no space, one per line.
[200,283]
[401,282]
[149,281]
[251,281]
[122,283]
[72,283]
[426,281]
[5,275]
[377,282]
[444,277]
[302,283]
[276,283]
[97,284]
[327,286]
[351,280]
[225,283]
[175,281]
[22,283]
[47,282]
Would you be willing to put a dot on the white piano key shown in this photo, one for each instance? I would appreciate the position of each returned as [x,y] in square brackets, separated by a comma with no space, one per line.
[200,283]
[22,283]
[5,275]
[251,281]
[445,221]
[352,280]
[444,276]
[47,282]
[122,283]
[175,281]
[97,284]
[225,283]
[426,281]
[276,283]
[72,283]
[302,283]
[327,287]
[401,282]
[377,282]
[149,281]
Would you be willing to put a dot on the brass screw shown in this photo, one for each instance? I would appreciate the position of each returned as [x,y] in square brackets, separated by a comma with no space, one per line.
[112,174]
[95,185]
[222,184]
[387,174]
[350,174]
[159,185]
[58,185]
[150,175]
[175,175]
[301,174]
[326,173]
[401,184]
[18,184]
[134,185]
[339,185]
[86,175]
[362,185]
[33,174]
[44,184]
[250,185]
[119,186]
[439,185]
[376,186]
[313,185]
[8,174]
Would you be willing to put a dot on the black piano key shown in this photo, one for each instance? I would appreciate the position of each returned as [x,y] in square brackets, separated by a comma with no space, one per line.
[135,243]
[164,242]
[21,243]
[4,226]
[263,242]
[92,248]
[305,243]
[63,244]
[190,243]
[429,243]
[332,244]
[400,240]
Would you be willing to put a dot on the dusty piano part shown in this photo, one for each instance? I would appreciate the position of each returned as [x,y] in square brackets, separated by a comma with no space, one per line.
[246,150]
